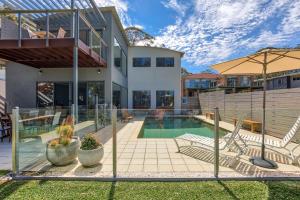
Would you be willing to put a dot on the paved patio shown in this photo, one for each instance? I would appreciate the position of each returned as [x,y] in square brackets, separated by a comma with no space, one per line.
[140,157]
[5,155]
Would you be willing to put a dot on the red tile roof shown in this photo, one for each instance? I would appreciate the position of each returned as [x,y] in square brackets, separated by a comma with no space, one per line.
[202,76]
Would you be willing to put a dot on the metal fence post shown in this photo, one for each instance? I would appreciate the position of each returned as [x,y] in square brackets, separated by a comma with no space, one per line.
[114,135]
[216,150]
[15,140]
[19,29]
[96,113]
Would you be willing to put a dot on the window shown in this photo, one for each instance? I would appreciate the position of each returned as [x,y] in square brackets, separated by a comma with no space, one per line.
[141,99]
[245,81]
[165,62]
[124,64]
[164,99]
[184,100]
[120,58]
[231,82]
[45,94]
[119,96]
[117,54]
[141,62]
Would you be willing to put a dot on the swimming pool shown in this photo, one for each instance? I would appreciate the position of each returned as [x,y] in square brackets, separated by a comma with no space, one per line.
[171,127]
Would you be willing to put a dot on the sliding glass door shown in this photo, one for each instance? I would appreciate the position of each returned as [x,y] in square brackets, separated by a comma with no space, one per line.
[59,95]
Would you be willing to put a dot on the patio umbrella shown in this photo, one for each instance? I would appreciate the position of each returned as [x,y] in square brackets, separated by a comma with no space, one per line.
[265,61]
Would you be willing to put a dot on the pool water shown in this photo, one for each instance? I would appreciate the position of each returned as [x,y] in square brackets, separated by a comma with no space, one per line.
[171,127]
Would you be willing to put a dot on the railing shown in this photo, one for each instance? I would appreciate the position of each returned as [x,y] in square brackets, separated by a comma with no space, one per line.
[153,144]
[51,24]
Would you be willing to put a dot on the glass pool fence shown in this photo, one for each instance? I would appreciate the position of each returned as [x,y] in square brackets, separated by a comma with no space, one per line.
[155,143]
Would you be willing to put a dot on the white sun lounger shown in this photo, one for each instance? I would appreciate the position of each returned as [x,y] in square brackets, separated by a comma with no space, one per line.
[271,143]
[208,143]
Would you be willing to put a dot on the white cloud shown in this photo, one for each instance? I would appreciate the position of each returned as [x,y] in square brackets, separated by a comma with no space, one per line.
[175,5]
[121,7]
[212,31]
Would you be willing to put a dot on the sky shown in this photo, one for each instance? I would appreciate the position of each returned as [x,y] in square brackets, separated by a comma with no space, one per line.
[213,31]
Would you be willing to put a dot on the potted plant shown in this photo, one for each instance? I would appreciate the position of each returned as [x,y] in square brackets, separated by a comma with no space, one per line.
[91,151]
[64,149]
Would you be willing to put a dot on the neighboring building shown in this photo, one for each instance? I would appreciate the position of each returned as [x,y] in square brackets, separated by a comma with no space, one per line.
[43,72]
[154,76]
[283,80]
[194,83]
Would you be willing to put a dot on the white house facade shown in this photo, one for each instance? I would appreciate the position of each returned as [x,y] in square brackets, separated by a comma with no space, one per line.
[154,76]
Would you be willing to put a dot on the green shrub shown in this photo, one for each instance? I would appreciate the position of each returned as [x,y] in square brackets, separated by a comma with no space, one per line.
[89,142]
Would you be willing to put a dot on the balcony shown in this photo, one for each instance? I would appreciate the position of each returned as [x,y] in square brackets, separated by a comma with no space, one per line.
[47,38]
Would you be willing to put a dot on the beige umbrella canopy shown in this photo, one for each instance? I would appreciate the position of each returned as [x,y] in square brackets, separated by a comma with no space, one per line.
[276,60]
[265,61]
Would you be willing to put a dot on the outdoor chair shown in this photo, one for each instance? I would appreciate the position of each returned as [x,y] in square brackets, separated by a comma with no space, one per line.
[31,34]
[126,117]
[5,130]
[55,121]
[208,143]
[277,144]
[61,33]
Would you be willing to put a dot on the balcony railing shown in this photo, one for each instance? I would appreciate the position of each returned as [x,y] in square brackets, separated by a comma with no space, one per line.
[52,24]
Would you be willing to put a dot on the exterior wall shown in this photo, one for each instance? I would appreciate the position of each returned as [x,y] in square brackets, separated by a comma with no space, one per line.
[20,85]
[117,76]
[154,78]
[295,81]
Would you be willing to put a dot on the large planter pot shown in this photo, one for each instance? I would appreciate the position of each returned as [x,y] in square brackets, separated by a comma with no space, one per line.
[63,155]
[89,158]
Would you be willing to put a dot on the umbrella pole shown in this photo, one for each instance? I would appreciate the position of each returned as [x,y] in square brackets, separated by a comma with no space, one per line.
[262,161]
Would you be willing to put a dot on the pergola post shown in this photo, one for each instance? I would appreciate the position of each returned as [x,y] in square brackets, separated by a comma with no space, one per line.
[75,67]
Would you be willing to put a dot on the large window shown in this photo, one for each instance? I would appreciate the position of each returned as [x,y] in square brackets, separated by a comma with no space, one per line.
[60,93]
[165,62]
[245,81]
[231,82]
[120,58]
[165,99]
[141,99]
[120,96]
[141,62]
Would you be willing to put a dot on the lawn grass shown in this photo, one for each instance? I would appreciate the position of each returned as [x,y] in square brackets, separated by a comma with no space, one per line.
[149,190]
[3,172]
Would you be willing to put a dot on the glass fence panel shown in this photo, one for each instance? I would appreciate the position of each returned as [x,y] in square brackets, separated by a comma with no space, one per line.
[159,143]
[247,158]
[50,143]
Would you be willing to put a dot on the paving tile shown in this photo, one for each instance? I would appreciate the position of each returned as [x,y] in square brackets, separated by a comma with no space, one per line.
[150,155]
[135,168]
[137,161]
[164,161]
[165,168]
[150,168]
[177,161]
[123,161]
[195,168]
[180,168]
[150,161]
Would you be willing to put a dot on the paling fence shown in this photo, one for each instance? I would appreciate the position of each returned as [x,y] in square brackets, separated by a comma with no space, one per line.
[139,144]
[282,107]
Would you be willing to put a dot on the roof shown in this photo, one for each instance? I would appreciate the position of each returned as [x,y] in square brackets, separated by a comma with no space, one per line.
[163,48]
[202,76]
[113,10]
[35,5]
